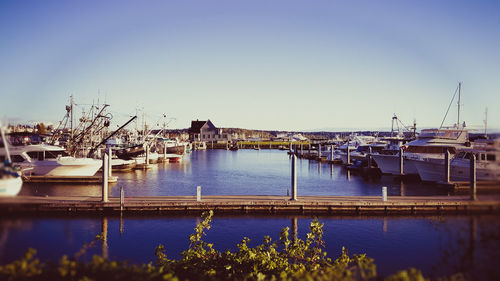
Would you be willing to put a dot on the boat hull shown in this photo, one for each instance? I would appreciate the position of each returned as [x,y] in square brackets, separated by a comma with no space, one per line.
[10,186]
[433,171]
[179,149]
[389,164]
[69,166]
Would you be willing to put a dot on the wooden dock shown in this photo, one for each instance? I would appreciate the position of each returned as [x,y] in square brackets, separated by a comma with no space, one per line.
[305,205]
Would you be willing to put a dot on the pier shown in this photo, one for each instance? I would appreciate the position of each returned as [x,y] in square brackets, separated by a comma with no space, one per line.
[239,204]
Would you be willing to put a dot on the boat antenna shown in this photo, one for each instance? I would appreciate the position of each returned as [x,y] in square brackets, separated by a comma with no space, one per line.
[451,102]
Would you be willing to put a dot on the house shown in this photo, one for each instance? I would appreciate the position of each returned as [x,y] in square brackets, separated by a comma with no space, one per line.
[206,131]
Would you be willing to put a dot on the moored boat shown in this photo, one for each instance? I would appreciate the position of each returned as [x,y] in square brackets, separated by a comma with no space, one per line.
[49,160]
[487,153]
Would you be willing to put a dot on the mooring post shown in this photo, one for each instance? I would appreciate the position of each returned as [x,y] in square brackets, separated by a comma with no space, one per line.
[384,193]
[147,156]
[369,157]
[319,152]
[348,155]
[290,146]
[473,177]
[198,193]
[301,149]
[447,166]
[105,173]
[110,167]
[164,151]
[122,199]
[331,152]
[309,148]
[294,178]
[401,159]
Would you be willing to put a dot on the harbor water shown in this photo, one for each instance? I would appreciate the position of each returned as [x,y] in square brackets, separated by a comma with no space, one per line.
[242,172]
[437,245]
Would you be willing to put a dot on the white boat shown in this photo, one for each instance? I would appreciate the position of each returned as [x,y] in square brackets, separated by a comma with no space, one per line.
[353,144]
[430,144]
[10,179]
[118,164]
[153,157]
[48,160]
[10,185]
[487,164]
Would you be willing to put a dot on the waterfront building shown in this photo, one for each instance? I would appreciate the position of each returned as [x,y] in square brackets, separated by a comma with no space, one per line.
[206,131]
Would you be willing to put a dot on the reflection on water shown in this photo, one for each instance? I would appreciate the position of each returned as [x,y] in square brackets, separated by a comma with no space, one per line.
[62,189]
[436,245]
[242,172]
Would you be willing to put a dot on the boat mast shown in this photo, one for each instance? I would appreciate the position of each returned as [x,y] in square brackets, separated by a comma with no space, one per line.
[459,90]
[71,111]
[485,122]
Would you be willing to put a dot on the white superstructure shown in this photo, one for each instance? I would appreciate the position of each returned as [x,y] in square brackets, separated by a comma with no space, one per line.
[49,160]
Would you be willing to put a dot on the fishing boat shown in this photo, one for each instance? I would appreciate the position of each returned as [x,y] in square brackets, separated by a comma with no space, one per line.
[49,160]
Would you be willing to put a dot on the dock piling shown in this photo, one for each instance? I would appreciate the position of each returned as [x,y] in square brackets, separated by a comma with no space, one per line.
[294,178]
[401,159]
[447,166]
[164,152]
[105,173]
[473,177]
[198,193]
[348,155]
[319,151]
[110,168]
[369,157]
[147,156]
[331,152]
[384,193]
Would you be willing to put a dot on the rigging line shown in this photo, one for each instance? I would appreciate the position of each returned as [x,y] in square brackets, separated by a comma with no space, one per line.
[448,108]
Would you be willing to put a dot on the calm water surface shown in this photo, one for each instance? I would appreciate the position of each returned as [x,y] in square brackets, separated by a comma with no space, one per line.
[436,245]
[242,172]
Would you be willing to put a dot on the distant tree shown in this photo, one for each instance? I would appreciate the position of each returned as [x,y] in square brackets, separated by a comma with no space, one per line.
[40,127]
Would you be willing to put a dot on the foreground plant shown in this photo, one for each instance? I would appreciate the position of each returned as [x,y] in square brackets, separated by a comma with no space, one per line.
[294,259]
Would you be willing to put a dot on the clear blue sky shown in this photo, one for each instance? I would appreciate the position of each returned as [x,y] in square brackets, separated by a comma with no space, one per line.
[259,64]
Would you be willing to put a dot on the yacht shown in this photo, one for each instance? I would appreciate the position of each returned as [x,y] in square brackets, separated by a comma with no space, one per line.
[358,147]
[49,160]
[430,144]
[487,154]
